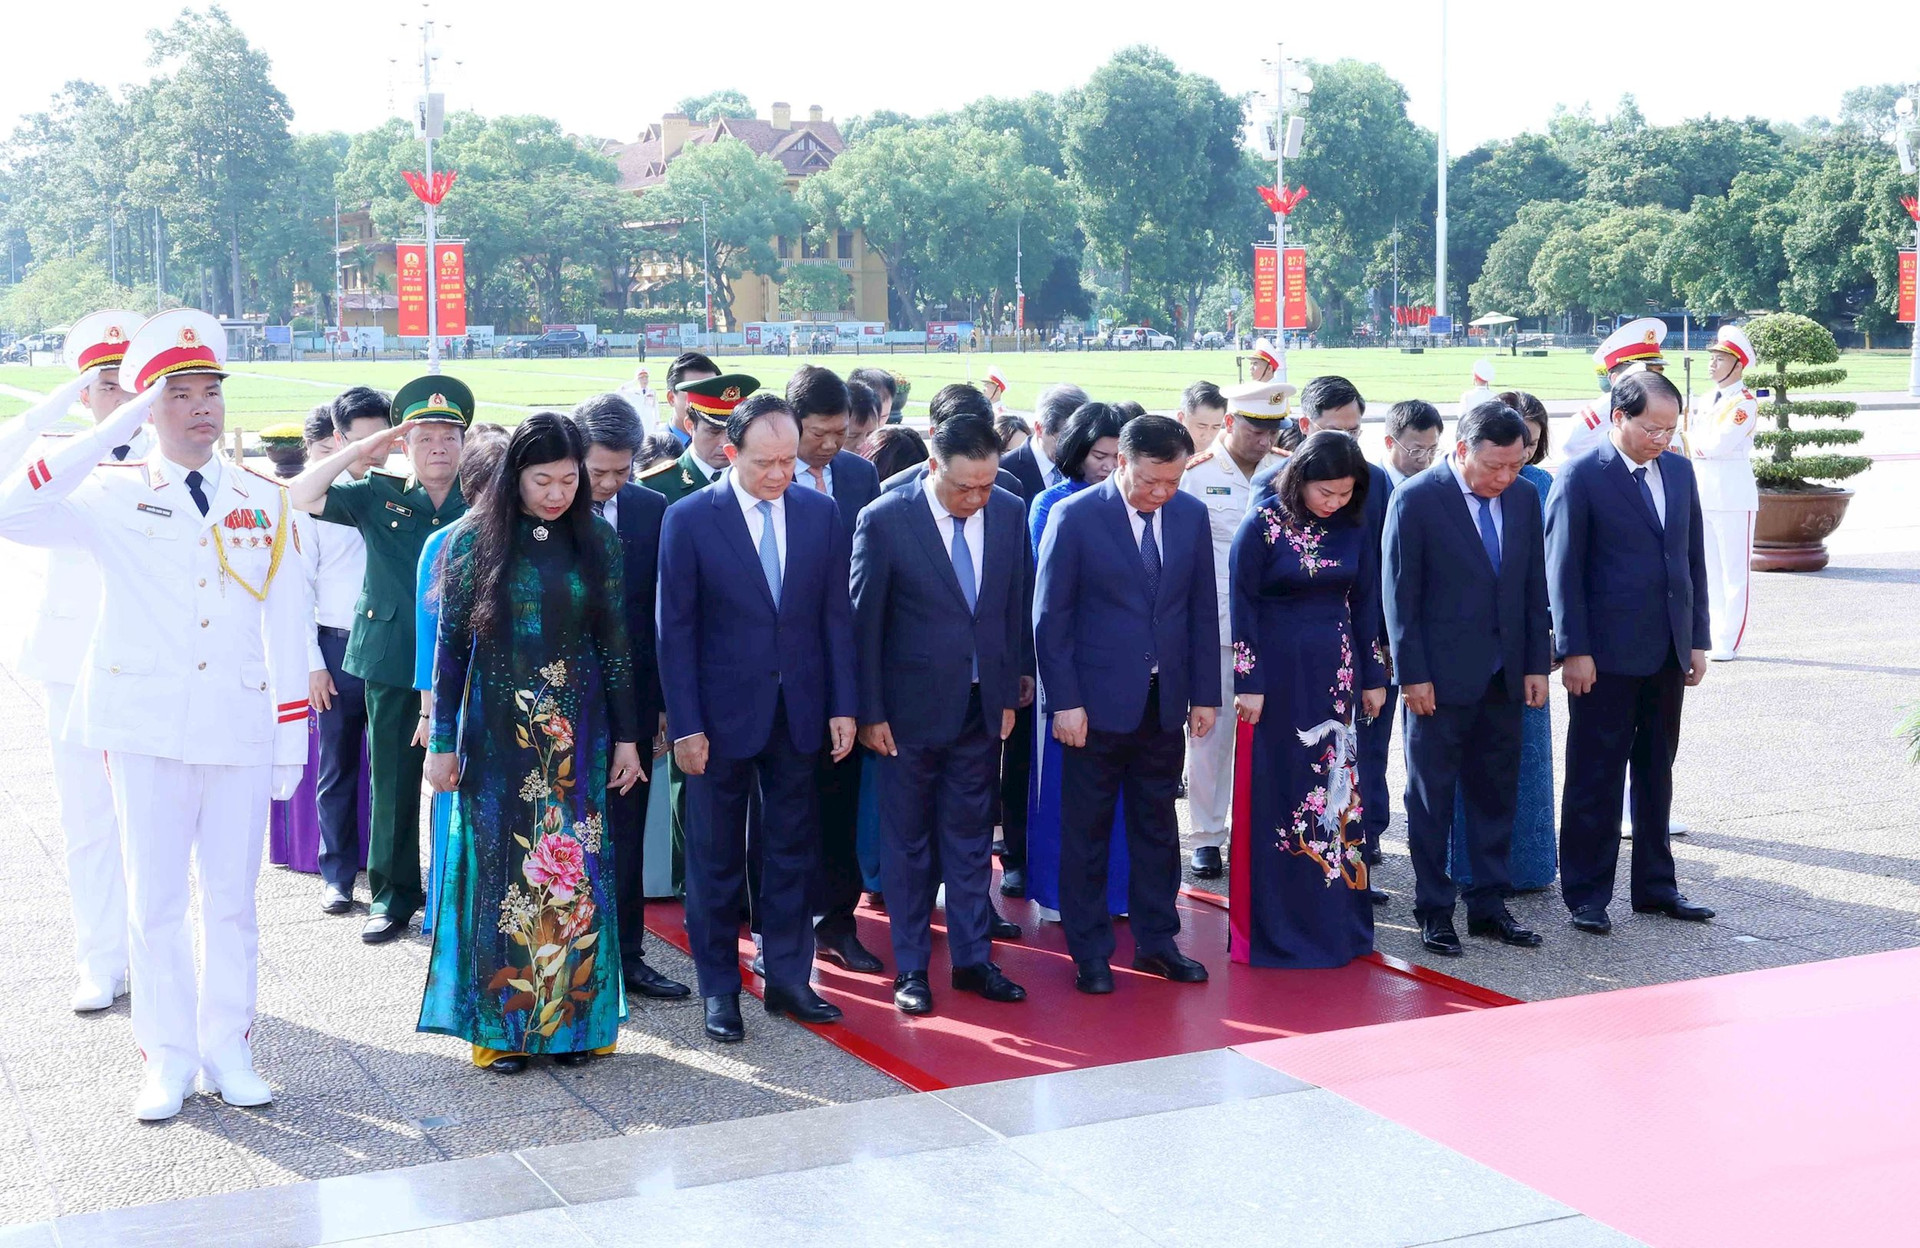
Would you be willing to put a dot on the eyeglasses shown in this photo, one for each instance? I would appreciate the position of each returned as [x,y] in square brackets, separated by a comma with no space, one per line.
[1659,433]
[1419,454]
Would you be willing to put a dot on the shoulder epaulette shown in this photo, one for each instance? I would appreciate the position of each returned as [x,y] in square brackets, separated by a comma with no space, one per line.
[123,463]
[1745,393]
[387,472]
[1201,458]
[279,482]
[665,465]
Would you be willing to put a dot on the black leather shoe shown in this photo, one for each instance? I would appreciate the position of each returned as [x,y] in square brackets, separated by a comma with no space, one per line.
[987,980]
[877,901]
[1172,965]
[648,982]
[512,1064]
[1506,928]
[1372,857]
[846,949]
[802,1004]
[579,1057]
[381,928]
[1678,908]
[1013,882]
[999,927]
[723,1019]
[1378,896]
[759,965]
[1093,977]
[1437,936]
[1593,920]
[999,849]
[911,995]
[1206,863]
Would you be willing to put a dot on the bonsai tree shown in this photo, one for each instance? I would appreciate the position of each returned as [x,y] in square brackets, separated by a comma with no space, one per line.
[1800,354]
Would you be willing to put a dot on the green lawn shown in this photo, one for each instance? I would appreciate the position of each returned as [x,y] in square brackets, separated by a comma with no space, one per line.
[263,394]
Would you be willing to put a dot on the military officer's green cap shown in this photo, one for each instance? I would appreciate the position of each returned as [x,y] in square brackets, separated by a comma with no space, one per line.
[434,398]
[714,398]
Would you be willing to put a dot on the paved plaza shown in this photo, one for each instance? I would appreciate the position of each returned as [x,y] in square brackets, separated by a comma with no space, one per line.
[1801,811]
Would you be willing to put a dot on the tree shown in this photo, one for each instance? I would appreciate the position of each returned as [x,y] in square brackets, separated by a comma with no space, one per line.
[1670,166]
[62,289]
[1037,119]
[295,245]
[1846,228]
[714,105]
[1506,280]
[808,288]
[747,208]
[1783,340]
[1726,254]
[1486,189]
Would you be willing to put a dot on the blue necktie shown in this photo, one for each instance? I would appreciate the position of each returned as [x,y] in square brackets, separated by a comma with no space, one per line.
[769,550]
[1489,532]
[1646,493]
[963,569]
[1150,555]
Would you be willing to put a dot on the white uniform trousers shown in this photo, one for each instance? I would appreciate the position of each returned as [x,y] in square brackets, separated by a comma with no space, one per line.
[96,885]
[1729,543]
[1210,767]
[172,812]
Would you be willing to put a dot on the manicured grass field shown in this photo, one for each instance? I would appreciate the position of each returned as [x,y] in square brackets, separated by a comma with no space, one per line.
[264,394]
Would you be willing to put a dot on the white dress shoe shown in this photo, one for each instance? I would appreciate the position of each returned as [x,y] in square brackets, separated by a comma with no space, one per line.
[159,1099]
[239,1087]
[95,993]
[1721,656]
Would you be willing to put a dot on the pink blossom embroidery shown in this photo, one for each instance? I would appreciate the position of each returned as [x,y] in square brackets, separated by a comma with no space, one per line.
[559,864]
[1242,659]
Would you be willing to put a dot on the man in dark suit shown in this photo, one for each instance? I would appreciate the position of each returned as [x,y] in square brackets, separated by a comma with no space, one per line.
[957,399]
[1032,466]
[1626,570]
[821,403]
[1127,636]
[756,661]
[611,429]
[940,602]
[1466,605]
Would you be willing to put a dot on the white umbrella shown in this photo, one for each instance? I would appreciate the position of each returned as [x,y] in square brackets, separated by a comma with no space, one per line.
[1494,318]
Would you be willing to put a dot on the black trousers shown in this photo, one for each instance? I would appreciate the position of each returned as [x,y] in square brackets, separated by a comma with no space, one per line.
[716,861]
[343,743]
[627,829]
[1016,770]
[1622,721]
[1374,744]
[838,883]
[936,822]
[1144,764]
[1475,747]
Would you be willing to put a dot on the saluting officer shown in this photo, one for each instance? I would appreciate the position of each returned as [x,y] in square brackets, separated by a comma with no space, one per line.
[395,513]
[194,684]
[1637,343]
[1720,443]
[55,647]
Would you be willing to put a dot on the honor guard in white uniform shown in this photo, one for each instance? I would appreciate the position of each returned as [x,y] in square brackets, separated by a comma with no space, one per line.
[1635,343]
[194,684]
[1482,388]
[57,641]
[1222,478]
[1264,363]
[1720,443]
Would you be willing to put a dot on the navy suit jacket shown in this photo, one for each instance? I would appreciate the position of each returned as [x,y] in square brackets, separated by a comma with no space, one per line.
[1451,619]
[1096,633]
[638,512]
[1625,589]
[907,476]
[1025,468]
[726,652]
[855,484]
[916,638]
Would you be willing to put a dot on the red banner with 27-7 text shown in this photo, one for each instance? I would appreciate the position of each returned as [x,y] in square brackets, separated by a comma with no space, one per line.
[410,283]
[1908,279]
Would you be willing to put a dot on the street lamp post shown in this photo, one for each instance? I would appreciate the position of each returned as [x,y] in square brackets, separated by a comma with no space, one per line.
[1440,219]
[706,273]
[1280,218]
[1019,296]
[427,57]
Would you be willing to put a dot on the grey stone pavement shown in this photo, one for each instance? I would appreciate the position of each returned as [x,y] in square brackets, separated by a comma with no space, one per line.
[1800,802]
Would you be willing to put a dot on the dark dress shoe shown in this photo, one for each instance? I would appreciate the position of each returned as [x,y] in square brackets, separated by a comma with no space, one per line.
[802,1004]
[723,1018]
[1093,977]
[847,950]
[1372,857]
[1678,908]
[1013,882]
[648,982]
[1378,896]
[512,1064]
[759,965]
[1506,928]
[987,980]
[1592,919]
[1437,935]
[381,928]
[579,1057]
[1001,928]
[877,901]
[1206,863]
[911,995]
[999,849]
[1172,965]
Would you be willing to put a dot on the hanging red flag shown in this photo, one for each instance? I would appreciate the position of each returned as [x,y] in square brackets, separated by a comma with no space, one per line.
[430,192]
[1912,206]
[1280,199]
[410,261]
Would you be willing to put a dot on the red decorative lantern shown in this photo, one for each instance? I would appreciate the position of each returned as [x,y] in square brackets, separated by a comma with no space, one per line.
[431,192]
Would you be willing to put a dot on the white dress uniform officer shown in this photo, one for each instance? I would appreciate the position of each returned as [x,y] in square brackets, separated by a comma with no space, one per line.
[1482,389]
[1264,363]
[1635,343]
[194,683]
[994,385]
[55,645]
[1222,478]
[1720,443]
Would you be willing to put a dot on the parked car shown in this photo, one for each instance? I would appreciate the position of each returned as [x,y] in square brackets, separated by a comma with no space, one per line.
[1128,337]
[1157,341]
[1213,340]
[566,342]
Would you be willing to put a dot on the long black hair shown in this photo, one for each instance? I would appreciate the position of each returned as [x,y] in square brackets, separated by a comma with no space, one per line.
[1324,456]
[485,547]
[1089,423]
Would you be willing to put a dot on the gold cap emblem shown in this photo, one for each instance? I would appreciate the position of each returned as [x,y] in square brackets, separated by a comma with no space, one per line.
[188,338]
[730,393]
[114,333]
[437,400]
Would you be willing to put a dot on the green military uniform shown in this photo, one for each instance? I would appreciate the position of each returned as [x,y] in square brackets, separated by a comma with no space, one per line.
[395,516]
[710,401]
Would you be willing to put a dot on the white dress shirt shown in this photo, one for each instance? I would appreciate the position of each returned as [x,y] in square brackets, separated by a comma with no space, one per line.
[209,476]
[1654,482]
[340,571]
[610,511]
[1048,473]
[750,507]
[975,527]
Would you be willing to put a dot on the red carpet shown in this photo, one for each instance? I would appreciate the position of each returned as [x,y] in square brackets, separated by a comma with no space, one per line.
[968,1040]
[1774,1107]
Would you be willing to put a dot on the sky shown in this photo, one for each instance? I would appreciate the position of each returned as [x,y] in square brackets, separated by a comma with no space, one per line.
[609,70]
